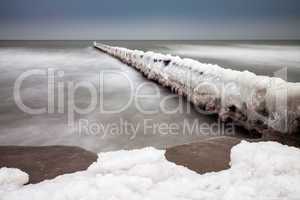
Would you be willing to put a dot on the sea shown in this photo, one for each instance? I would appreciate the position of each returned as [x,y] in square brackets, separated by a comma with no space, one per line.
[69,93]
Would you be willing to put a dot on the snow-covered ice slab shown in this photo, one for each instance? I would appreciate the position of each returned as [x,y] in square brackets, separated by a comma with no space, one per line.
[265,104]
[12,179]
[265,170]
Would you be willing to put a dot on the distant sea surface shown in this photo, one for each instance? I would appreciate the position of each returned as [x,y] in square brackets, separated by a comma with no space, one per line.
[261,57]
[81,62]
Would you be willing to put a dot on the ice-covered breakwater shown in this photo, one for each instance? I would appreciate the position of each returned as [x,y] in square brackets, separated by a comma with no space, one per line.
[261,103]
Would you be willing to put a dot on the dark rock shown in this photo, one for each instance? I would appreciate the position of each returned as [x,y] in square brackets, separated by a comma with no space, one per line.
[213,154]
[46,162]
[209,155]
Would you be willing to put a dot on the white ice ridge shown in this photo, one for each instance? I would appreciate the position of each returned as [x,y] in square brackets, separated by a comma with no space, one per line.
[265,104]
[265,170]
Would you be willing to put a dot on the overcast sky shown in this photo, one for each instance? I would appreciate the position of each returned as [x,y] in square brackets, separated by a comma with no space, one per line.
[155,19]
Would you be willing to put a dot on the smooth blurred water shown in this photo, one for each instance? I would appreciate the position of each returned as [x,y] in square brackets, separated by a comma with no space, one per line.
[260,57]
[80,62]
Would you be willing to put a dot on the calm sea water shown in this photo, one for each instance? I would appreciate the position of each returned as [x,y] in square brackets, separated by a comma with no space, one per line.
[76,62]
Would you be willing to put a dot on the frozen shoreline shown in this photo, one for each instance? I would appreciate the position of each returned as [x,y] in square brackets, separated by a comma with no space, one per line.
[264,170]
[261,103]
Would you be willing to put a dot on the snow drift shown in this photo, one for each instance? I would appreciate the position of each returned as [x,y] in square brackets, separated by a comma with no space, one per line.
[265,170]
[261,103]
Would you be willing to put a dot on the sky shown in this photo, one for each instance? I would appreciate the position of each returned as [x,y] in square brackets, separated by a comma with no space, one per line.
[155,19]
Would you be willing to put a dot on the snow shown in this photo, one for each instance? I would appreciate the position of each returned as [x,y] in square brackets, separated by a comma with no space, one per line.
[256,102]
[11,179]
[264,170]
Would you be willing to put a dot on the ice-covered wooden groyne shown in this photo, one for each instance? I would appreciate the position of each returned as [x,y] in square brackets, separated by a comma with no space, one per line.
[261,103]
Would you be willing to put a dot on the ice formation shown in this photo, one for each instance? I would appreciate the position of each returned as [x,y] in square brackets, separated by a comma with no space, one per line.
[261,103]
[265,170]
[11,179]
